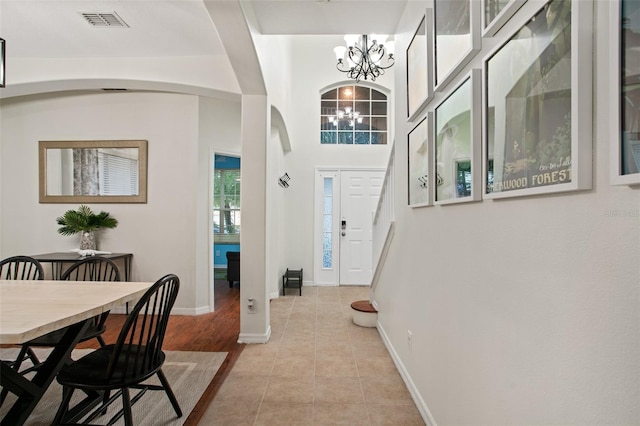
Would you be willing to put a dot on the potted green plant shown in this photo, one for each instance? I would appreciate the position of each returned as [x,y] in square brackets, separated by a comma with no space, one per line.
[86,222]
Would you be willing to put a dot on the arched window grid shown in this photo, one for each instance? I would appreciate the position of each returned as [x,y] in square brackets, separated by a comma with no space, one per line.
[353,115]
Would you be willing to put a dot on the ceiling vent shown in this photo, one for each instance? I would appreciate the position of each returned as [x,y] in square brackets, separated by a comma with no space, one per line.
[104,19]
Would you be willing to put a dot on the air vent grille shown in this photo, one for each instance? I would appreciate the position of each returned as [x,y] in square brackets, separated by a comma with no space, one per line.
[104,19]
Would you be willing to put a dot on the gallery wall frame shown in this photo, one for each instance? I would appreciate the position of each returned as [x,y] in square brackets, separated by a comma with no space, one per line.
[495,13]
[457,38]
[2,62]
[419,153]
[420,66]
[624,94]
[456,163]
[537,127]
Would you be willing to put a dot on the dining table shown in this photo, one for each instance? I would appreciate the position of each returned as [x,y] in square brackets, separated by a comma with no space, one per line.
[32,308]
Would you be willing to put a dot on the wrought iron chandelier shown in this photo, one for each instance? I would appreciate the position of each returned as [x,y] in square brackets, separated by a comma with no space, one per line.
[364,57]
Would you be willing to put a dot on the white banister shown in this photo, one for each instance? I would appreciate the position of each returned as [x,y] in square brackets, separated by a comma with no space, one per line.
[383,219]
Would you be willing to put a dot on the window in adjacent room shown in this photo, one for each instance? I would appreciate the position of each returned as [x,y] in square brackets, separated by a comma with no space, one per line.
[226,206]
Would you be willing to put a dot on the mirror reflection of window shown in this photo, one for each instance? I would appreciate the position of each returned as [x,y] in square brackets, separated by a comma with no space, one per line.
[118,171]
[463,178]
[92,171]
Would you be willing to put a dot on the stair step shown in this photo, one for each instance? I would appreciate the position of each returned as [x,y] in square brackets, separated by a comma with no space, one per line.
[363,306]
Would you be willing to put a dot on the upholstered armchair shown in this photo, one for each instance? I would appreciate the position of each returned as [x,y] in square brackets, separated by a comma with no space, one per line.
[233,267]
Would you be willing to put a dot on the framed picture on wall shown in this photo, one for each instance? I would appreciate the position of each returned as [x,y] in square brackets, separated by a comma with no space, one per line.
[420,150]
[457,37]
[419,66]
[457,152]
[495,13]
[625,92]
[537,124]
[2,62]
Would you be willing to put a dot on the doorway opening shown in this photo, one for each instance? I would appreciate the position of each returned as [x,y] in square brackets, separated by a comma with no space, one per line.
[226,217]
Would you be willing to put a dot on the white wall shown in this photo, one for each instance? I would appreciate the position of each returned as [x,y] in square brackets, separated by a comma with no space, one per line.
[526,310]
[275,56]
[168,233]
[276,196]
[219,132]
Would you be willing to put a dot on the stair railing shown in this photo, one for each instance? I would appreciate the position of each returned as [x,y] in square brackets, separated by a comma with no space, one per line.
[383,220]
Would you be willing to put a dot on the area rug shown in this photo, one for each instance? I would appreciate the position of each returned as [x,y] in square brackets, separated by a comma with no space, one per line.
[220,274]
[189,374]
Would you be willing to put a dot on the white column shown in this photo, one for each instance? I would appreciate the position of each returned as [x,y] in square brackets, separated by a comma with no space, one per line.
[254,326]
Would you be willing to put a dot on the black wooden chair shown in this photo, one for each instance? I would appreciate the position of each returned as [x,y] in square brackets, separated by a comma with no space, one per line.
[88,269]
[94,268]
[233,267]
[135,357]
[20,268]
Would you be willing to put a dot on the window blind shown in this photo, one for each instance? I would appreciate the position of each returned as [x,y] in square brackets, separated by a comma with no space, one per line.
[117,175]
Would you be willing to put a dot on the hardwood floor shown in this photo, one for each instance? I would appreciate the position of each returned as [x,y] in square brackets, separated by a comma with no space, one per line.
[214,332]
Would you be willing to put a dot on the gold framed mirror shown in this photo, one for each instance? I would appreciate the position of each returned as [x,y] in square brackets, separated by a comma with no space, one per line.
[99,171]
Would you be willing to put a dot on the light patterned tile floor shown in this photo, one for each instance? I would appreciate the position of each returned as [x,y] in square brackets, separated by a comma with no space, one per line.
[319,368]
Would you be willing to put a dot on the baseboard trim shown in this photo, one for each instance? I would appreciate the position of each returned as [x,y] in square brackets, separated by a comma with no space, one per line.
[254,337]
[175,311]
[415,394]
[190,311]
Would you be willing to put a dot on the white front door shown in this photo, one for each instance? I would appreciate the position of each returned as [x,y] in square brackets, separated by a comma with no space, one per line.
[359,195]
[345,204]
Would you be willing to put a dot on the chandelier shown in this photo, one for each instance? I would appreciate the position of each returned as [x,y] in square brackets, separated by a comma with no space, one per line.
[365,56]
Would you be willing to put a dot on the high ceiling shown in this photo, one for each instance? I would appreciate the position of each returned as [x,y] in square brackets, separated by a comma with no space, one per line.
[56,28]
[328,16]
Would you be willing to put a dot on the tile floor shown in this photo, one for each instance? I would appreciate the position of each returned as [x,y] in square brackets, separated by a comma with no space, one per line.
[317,369]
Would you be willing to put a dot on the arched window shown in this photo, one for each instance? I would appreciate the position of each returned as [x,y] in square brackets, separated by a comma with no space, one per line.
[353,115]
